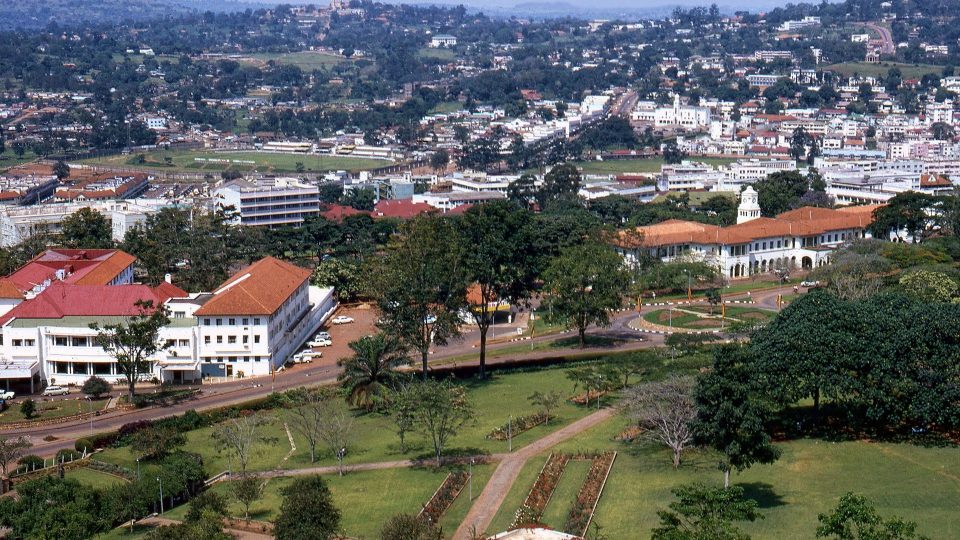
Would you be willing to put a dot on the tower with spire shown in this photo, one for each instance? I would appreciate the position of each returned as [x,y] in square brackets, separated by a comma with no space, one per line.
[749,206]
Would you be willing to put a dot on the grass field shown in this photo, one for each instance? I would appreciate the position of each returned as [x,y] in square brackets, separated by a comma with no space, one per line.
[438,54]
[557,510]
[919,484]
[9,159]
[681,318]
[909,71]
[216,162]
[646,165]
[305,60]
[50,409]
[95,479]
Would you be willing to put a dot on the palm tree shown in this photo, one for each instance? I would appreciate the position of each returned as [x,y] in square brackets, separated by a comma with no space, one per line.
[368,373]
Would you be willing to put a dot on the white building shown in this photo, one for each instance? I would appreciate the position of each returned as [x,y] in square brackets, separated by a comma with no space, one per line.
[269,202]
[249,326]
[443,40]
[17,223]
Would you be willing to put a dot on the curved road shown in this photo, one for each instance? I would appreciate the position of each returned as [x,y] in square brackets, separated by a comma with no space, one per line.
[225,394]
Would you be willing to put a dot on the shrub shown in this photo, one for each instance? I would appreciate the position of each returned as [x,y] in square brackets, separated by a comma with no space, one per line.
[66,455]
[27,408]
[31,462]
[95,387]
[83,445]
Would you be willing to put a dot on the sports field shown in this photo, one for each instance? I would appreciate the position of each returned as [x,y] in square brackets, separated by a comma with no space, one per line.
[216,162]
[907,71]
[305,60]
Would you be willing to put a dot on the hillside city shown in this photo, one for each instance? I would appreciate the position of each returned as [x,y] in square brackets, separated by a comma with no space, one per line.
[418,272]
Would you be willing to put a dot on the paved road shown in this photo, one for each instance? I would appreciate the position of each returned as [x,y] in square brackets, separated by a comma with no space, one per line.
[491,498]
[325,371]
[885,36]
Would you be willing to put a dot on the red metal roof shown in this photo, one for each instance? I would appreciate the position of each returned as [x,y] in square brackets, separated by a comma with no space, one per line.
[64,300]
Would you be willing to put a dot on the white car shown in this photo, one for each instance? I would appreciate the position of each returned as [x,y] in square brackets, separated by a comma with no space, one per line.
[56,391]
[810,284]
[7,396]
[305,357]
[342,319]
[322,335]
[320,343]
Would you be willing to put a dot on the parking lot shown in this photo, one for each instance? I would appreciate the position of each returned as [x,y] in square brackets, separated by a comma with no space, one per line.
[364,319]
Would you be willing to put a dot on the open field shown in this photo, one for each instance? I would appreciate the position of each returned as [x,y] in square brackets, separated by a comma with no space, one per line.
[681,317]
[919,484]
[50,409]
[909,71]
[216,162]
[95,479]
[645,165]
[305,60]
[438,54]
[9,159]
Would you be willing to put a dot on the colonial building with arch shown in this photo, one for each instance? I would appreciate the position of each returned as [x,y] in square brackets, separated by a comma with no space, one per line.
[803,238]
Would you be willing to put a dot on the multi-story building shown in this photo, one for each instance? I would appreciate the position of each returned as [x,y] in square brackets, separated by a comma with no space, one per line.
[249,326]
[802,238]
[269,202]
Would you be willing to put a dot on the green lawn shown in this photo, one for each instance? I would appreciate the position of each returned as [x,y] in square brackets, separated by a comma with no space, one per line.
[366,499]
[305,60]
[919,484]
[447,107]
[642,165]
[438,54]
[734,288]
[50,409]
[681,318]
[558,508]
[9,159]
[909,71]
[216,162]
[95,479]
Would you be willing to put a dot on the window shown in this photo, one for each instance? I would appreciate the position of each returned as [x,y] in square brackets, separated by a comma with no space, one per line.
[184,342]
[206,340]
[219,339]
[206,322]
[60,341]
[29,342]
[60,367]
[246,339]
[232,358]
[232,322]
[256,358]
[219,322]
[256,338]
[79,341]
[101,369]
[19,343]
[256,320]
[171,343]
[246,321]
[79,368]
[231,339]
[179,314]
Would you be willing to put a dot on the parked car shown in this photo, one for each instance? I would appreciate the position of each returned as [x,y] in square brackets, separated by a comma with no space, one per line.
[8,395]
[304,357]
[320,343]
[342,319]
[322,335]
[809,284]
[56,391]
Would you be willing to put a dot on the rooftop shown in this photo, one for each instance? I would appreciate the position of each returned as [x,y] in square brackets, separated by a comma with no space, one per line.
[259,289]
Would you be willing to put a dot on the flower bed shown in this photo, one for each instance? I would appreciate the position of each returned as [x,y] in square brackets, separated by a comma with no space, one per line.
[517,426]
[532,509]
[444,496]
[587,397]
[583,508]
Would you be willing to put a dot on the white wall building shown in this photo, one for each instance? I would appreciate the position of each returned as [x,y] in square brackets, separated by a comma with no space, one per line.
[269,201]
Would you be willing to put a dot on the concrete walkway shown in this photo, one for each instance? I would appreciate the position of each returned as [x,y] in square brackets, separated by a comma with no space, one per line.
[486,505]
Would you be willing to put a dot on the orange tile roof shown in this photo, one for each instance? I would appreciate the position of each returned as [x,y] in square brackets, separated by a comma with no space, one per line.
[806,221]
[259,289]
[8,290]
[108,270]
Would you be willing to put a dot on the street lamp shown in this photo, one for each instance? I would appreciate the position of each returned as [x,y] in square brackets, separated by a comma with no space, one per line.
[340,453]
[138,468]
[471,479]
[671,318]
[161,493]
[90,402]
[510,433]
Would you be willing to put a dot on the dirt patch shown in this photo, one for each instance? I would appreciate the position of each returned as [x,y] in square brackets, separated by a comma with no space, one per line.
[753,316]
[702,323]
[663,316]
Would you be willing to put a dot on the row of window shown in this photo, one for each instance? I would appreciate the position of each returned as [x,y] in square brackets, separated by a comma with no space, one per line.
[224,359]
[231,339]
[245,321]
[93,368]
[24,342]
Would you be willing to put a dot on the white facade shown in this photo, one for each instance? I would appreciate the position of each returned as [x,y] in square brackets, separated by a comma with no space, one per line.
[269,202]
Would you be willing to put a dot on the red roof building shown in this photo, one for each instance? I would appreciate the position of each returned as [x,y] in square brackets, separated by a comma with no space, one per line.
[260,289]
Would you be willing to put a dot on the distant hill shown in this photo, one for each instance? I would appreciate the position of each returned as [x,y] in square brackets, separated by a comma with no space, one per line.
[32,14]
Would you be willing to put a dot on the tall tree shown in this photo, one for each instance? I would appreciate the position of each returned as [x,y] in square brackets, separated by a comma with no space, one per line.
[61,170]
[307,511]
[421,283]
[86,229]
[439,410]
[909,211]
[855,518]
[584,283]
[562,182]
[241,438]
[664,409]
[11,450]
[705,513]
[731,412]
[368,375]
[133,342]
[500,261]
